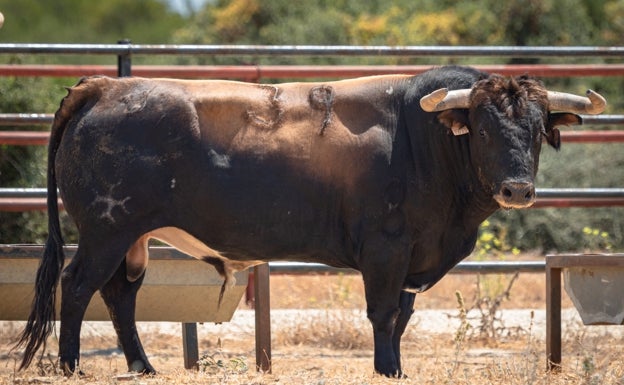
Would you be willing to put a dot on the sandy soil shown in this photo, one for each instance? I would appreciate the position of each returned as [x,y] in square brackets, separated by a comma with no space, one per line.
[321,336]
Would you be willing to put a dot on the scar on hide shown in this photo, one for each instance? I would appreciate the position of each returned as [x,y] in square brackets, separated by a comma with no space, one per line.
[110,203]
[275,108]
[136,101]
[322,98]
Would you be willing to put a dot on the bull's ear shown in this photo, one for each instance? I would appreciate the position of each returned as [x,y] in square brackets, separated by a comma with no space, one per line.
[553,137]
[555,119]
[455,120]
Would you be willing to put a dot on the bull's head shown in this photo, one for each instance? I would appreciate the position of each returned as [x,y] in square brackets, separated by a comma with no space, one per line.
[507,119]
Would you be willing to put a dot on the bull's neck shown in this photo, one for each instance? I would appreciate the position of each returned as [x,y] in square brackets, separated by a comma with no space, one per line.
[444,171]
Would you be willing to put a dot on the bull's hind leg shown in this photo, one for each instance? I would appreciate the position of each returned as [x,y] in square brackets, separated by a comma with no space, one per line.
[120,294]
[92,266]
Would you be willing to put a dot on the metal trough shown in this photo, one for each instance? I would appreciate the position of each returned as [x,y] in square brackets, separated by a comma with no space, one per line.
[177,288]
[597,292]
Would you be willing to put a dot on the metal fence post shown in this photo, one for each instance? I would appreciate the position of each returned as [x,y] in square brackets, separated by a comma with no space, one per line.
[263,317]
[124,61]
[190,345]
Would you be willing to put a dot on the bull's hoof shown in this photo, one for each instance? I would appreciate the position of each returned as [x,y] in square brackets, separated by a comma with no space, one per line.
[141,367]
[390,371]
[69,370]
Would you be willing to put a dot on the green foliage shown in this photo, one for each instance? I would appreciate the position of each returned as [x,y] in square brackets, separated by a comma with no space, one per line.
[85,21]
[596,240]
[492,243]
[25,166]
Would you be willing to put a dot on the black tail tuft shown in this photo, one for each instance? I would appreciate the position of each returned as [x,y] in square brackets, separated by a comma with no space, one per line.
[40,323]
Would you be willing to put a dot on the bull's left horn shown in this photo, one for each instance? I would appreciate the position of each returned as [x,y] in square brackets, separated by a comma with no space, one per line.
[443,99]
[593,104]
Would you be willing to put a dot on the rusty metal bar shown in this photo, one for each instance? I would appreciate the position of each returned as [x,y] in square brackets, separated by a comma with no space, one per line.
[593,136]
[39,204]
[315,50]
[257,72]
[28,199]
[24,138]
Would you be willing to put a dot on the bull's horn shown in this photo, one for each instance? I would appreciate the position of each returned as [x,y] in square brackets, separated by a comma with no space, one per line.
[593,104]
[443,99]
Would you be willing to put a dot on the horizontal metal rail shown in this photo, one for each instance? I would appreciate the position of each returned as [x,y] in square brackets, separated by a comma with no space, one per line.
[257,72]
[41,138]
[24,138]
[541,192]
[28,119]
[313,50]
[25,119]
[465,267]
[33,199]
[294,268]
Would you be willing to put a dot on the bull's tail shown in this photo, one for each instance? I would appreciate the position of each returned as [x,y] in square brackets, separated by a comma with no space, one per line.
[42,316]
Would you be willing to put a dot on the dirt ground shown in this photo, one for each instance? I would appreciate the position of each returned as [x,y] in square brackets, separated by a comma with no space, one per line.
[327,340]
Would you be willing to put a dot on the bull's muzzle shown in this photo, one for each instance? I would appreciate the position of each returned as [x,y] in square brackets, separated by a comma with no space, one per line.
[516,195]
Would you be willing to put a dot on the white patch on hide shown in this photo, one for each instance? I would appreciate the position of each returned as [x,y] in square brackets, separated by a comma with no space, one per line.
[111,203]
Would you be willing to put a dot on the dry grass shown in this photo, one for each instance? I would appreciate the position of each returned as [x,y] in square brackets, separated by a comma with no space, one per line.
[335,347]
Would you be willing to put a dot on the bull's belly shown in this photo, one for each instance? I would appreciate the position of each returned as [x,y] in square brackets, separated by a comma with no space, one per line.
[239,253]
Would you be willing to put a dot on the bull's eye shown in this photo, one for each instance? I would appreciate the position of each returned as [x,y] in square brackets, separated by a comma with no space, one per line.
[482,132]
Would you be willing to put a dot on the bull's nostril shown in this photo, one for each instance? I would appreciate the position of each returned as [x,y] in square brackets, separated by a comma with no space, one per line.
[507,192]
[529,195]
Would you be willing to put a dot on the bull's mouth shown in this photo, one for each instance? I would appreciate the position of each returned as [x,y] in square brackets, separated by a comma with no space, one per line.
[506,204]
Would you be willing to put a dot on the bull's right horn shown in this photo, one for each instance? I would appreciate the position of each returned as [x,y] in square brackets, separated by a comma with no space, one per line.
[443,99]
[593,104]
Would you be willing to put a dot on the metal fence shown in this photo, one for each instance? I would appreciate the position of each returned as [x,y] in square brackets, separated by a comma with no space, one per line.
[33,198]
[125,51]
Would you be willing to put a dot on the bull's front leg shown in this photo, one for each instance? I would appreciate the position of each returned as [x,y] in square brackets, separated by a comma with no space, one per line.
[383,321]
[406,307]
[383,284]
